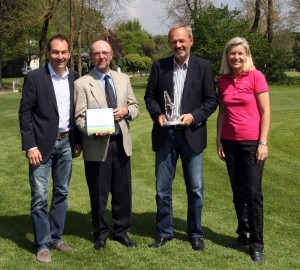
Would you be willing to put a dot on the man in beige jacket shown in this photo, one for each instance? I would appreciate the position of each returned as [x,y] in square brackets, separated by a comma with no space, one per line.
[107,156]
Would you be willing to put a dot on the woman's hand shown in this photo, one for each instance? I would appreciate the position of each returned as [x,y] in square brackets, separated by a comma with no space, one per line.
[220,150]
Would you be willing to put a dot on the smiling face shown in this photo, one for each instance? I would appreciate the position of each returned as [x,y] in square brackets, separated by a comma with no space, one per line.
[236,57]
[101,55]
[59,55]
[180,42]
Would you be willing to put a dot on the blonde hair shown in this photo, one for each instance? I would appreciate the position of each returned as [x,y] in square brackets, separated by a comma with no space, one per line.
[248,64]
[186,27]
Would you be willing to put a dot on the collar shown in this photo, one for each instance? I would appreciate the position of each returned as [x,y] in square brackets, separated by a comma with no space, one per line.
[53,73]
[185,64]
[243,74]
[101,75]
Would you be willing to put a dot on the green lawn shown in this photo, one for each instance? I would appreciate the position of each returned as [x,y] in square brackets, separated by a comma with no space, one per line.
[293,74]
[8,82]
[281,202]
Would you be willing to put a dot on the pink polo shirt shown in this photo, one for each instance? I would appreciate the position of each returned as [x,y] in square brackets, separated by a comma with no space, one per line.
[241,111]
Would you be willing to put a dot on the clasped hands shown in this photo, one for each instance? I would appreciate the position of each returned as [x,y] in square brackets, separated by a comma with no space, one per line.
[186,119]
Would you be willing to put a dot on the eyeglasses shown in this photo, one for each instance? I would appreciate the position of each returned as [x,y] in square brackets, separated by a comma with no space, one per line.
[97,54]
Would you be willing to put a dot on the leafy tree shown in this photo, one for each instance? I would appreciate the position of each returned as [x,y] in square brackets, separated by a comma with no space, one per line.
[147,63]
[134,40]
[134,62]
[209,43]
[213,28]
[162,48]
[296,51]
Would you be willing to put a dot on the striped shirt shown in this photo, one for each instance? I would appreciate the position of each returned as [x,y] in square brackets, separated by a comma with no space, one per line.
[179,75]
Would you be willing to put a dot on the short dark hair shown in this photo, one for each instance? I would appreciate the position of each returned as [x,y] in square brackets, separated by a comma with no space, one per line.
[58,36]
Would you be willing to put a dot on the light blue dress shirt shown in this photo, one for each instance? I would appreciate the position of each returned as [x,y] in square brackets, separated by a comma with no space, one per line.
[62,94]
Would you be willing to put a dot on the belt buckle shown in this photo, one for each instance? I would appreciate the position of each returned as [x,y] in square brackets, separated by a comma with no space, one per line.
[58,136]
[61,135]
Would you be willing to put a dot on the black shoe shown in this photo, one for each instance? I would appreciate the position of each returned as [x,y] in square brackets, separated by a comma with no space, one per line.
[197,243]
[237,244]
[257,256]
[99,243]
[160,241]
[125,240]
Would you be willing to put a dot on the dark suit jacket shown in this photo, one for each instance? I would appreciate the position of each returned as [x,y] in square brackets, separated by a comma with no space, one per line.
[199,98]
[38,113]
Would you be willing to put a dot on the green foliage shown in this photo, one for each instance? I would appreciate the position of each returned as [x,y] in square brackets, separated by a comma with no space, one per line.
[213,27]
[296,52]
[147,62]
[134,40]
[162,48]
[275,66]
[134,62]
[281,202]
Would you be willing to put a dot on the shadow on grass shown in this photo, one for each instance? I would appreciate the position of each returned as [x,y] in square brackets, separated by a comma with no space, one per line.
[19,229]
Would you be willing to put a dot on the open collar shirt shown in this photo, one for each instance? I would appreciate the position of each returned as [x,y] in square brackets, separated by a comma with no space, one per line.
[179,76]
[62,94]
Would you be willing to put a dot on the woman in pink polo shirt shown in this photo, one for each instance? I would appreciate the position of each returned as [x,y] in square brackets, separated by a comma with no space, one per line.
[242,133]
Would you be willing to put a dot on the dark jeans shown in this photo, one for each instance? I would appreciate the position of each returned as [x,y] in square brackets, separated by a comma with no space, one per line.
[246,182]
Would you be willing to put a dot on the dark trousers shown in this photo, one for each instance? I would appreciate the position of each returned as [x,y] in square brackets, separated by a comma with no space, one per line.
[246,183]
[114,176]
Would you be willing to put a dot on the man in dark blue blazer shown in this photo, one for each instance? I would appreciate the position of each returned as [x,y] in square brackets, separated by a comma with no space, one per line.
[189,82]
[50,140]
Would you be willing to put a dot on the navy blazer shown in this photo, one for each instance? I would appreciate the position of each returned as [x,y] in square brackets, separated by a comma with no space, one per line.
[199,98]
[38,113]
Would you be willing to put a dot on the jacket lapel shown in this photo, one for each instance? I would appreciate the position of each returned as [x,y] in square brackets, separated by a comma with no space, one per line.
[50,88]
[117,83]
[189,77]
[169,75]
[97,90]
[71,79]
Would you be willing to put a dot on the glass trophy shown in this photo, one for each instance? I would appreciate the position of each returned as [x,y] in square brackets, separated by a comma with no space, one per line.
[170,109]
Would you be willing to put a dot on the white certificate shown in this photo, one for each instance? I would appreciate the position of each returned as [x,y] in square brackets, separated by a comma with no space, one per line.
[100,120]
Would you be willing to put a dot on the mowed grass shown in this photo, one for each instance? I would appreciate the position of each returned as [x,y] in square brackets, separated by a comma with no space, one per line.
[281,202]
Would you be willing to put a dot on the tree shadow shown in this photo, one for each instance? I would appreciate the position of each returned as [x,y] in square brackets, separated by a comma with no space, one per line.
[19,228]
[142,227]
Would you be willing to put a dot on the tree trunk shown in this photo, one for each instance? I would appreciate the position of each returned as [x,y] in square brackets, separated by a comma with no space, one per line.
[1,84]
[43,41]
[43,38]
[270,22]
[79,60]
[254,27]
[71,34]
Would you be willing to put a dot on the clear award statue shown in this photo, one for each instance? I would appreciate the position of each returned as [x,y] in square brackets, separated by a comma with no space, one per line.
[170,109]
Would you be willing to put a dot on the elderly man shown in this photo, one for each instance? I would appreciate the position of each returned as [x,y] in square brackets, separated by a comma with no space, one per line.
[107,156]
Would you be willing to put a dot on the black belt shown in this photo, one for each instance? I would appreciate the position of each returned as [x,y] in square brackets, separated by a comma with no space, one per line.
[61,135]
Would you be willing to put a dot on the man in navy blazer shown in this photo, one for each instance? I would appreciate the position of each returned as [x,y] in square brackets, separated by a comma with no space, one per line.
[189,81]
[50,140]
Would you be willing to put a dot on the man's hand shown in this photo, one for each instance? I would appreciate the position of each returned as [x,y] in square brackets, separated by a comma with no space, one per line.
[162,119]
[186,119]
[120,113]
[34,157]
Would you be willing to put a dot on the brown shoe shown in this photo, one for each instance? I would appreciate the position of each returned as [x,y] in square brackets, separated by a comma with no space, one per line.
[63,247]
[44,256]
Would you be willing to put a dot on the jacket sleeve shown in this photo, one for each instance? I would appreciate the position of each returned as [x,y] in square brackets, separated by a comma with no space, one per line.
[26,110]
